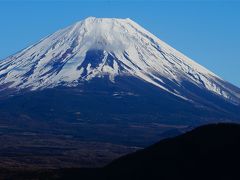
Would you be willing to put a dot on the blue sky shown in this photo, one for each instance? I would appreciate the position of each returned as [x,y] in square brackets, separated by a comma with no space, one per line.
[206,31]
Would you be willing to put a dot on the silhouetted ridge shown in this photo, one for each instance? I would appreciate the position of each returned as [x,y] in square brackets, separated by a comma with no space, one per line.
[207,152]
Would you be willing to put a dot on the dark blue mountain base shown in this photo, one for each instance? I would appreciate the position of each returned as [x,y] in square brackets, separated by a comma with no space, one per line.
[128,114]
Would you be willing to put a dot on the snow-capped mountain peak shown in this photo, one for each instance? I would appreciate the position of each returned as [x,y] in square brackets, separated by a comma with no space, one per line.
[99,47]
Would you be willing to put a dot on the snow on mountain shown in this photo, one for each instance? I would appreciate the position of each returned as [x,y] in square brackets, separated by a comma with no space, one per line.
[97,47]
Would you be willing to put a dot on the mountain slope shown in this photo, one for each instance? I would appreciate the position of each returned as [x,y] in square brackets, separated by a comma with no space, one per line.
[97,47]
[207,152]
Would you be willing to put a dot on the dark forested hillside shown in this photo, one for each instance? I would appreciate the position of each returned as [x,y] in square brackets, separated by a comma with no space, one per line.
[207,152]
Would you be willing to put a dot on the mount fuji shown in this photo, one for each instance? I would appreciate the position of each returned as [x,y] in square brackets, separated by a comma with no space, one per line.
[98,47]
[110,80]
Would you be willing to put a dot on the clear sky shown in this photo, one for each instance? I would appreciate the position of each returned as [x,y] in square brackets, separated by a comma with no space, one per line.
[206,31]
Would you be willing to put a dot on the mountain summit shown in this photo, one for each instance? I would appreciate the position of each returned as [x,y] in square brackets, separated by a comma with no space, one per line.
[109,47]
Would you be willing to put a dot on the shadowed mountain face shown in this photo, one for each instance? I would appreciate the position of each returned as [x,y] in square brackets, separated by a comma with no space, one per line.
[128,112]
[207,152]
[90,126]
